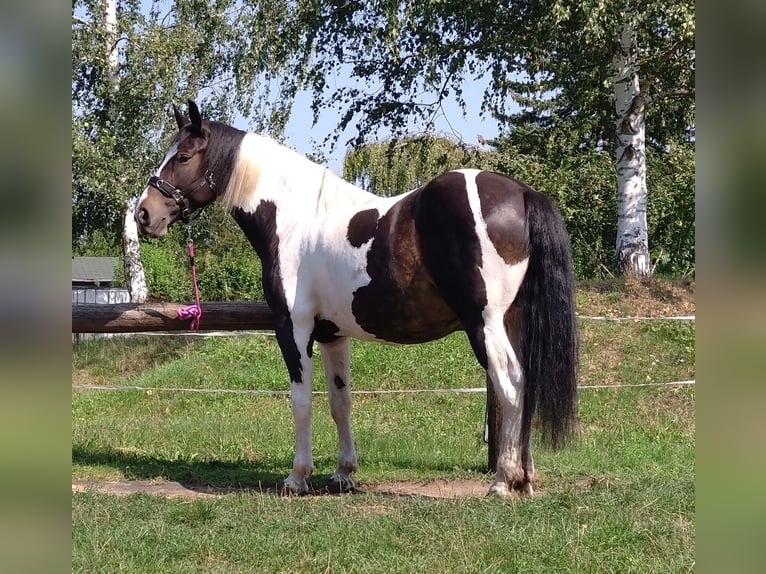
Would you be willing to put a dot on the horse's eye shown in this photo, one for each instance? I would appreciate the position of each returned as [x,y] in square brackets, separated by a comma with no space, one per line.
[183,158]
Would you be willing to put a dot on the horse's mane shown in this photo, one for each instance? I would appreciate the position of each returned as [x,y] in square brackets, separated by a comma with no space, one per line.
[248,158]
[255,162]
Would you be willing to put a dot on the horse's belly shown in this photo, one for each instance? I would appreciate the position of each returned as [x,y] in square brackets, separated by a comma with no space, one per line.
[413,315]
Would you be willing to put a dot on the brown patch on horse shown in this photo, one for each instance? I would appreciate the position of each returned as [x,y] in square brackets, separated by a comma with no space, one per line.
[400,304]
[361,227]
[502,207]
[446,227]
[260,227]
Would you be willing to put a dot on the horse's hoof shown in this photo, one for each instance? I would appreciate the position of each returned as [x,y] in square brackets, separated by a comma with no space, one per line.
[499,489]
[292,485]
[342,483]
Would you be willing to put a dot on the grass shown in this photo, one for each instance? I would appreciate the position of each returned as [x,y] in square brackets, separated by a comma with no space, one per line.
[621,499]
[606,528]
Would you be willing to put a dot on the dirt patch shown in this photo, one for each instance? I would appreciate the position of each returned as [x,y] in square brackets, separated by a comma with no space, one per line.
[630,297]
[436,489]
[461,488]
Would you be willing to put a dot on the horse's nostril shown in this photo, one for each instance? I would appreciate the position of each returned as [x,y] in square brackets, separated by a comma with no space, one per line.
[142,216]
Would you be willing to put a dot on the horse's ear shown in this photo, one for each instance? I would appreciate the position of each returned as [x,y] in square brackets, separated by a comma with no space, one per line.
[195,116]
[180,119]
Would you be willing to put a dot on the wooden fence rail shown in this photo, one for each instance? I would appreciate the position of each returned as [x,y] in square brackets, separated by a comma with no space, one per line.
[218,316]
[136,318]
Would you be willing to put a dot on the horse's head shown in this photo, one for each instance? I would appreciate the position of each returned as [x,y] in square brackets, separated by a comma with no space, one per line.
[184,182]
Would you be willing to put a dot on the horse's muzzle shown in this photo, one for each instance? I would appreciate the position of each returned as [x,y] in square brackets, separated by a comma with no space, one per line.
[146,226]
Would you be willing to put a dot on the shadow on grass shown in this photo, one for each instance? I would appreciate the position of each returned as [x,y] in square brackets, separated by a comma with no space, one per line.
[225,477]
[191,473]
[205,476]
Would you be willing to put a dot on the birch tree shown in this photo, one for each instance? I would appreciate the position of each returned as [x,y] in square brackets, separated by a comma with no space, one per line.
[134,269]
[632,247]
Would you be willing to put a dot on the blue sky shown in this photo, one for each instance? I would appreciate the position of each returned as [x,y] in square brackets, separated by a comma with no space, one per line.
[305,138]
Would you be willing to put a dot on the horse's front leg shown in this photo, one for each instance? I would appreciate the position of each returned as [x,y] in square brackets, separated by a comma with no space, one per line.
[336,358]
[293,343]
[303,462]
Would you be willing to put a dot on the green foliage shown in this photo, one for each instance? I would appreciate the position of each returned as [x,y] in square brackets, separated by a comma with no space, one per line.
[226,275]
[231,276]
[99,244]
[671,210]
[167,271]
[392,167]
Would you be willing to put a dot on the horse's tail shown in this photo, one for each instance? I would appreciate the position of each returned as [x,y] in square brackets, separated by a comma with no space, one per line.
[549,342]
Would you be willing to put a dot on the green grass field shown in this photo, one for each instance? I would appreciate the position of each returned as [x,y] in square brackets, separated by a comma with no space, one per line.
[621,499]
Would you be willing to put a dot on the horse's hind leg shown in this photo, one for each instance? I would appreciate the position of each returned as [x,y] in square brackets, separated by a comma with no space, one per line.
[336,357]
[513,330]
[514,461]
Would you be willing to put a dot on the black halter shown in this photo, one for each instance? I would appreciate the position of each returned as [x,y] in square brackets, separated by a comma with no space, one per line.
[179,196]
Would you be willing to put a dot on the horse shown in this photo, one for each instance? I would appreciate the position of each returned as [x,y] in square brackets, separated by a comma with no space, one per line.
[470,250]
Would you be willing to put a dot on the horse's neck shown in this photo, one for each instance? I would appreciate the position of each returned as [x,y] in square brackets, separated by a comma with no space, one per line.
[269,171]
[274,189]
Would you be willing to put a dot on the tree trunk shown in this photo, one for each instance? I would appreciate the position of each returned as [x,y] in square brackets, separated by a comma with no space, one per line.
[110,24]
[134,269]
[632,246]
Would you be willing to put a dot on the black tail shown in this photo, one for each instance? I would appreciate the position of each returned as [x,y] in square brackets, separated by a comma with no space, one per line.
[549,343]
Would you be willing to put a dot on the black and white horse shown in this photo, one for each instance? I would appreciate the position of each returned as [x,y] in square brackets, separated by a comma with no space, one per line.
[471,250]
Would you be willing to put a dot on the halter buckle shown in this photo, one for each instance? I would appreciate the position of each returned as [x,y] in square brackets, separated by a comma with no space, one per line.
[172,192]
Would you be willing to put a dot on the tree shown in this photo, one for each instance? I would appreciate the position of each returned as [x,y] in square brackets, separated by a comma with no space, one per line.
[133,269]
[572,68]
[390,167]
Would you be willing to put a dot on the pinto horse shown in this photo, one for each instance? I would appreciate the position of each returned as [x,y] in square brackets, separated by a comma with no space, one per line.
[470,250]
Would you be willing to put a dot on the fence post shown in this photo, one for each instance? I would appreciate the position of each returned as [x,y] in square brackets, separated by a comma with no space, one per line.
[494,420]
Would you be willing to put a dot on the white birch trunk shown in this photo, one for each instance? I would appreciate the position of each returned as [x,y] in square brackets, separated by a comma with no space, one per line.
[110,23]
[632,246]
[134,269]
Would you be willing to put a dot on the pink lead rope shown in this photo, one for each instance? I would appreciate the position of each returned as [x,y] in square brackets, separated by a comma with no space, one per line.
[193,312]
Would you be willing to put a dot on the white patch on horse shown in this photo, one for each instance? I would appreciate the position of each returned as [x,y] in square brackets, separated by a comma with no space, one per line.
[243,182]
[502,281]
[319,269]
[168,156]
